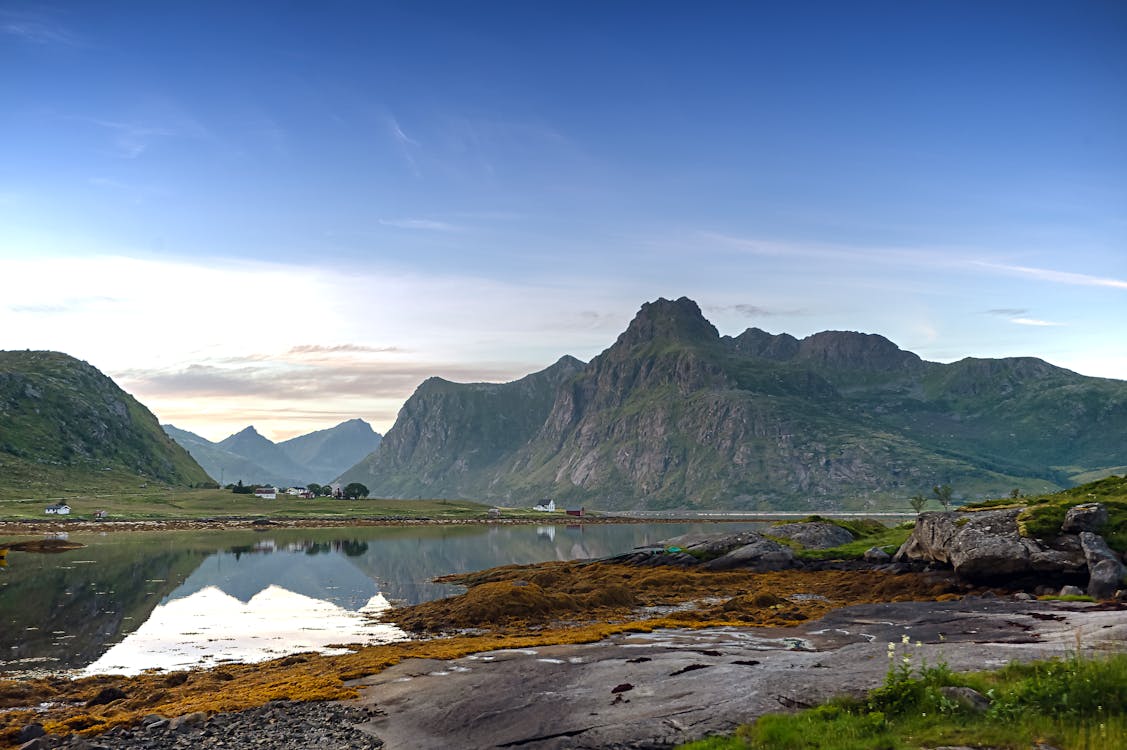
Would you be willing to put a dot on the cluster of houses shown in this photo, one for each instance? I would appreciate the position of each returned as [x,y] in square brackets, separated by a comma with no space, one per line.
[549,506]
[271,493]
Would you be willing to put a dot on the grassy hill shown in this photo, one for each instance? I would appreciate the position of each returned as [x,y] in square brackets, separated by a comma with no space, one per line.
[62,422]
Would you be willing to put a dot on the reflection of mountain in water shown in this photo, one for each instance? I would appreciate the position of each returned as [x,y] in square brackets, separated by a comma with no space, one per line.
[330,577]
[66,610]
[62,611]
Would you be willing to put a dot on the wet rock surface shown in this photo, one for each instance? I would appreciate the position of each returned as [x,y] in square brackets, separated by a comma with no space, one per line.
[281,725]
[657,689]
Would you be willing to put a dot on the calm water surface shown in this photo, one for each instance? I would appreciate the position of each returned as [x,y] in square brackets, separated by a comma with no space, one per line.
[133,601]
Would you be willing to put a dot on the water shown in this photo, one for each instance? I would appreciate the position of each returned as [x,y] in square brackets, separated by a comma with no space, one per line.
[172,600]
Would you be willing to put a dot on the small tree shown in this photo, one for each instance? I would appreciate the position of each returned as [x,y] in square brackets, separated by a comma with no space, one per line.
[917,502]
[943,495]
[355,491]
[313,489]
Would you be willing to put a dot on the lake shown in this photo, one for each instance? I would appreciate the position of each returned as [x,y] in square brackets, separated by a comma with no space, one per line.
[132,601]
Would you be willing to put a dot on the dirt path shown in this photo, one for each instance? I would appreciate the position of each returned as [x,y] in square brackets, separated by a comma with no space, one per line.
[657,689]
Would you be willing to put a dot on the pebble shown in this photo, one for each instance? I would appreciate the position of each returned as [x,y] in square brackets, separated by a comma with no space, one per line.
[280,725]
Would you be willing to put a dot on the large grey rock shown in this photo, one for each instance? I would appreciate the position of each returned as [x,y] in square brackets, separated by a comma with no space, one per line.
[1086,517]
[813,534]
[1106,572]
[877,556]
[985,545]
[759,556]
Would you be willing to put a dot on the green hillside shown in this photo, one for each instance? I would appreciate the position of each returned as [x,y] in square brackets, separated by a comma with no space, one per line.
[63,421]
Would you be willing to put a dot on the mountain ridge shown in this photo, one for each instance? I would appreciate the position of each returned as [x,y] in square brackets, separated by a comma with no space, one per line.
[673,415]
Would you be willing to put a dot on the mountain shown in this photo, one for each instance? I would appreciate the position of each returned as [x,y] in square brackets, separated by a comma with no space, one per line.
[61,420]
[328,453]
[251,458]
[673,415]
[281,469]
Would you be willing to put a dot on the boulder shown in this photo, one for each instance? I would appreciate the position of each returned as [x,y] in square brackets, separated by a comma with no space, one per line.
[1086,517]
[813,534]
[759,556]
[985,545]
[1106,572]
[877,556]
[1071,591]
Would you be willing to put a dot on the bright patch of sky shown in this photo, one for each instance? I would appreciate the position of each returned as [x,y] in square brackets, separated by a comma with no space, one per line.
[291,214]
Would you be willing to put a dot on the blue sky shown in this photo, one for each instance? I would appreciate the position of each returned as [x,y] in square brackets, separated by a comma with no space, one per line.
[289,214]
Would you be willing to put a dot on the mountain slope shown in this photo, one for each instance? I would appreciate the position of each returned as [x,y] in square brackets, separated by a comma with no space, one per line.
[62,414]
[328,453]
[222,465]
[674,415]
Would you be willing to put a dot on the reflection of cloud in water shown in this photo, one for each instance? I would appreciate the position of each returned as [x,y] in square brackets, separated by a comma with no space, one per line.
[209,627]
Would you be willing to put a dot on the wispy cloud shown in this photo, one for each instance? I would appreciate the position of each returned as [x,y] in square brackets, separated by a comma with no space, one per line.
[1034,322]
[1020,316]
[406,144]
[1059,277]
[65,306]
[36,29]
[749,311]
[343,348]
[367,380]
[424,224]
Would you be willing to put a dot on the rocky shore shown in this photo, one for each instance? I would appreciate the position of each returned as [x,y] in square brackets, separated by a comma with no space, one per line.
[658,646]
[278,725]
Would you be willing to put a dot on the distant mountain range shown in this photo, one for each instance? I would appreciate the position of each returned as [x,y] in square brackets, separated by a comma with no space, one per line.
[62,420]
[673,415]
[253,459]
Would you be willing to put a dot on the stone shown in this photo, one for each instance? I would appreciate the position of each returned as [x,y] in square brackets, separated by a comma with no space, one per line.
[969,698]
[1071,591]
[1086,517]
[36,743]
[30,732]
[1106,573]
[107,695]
[985,545]
[877,556]
[1105,579]
[759,556]
[187,721]
[813,534]
[1023,596]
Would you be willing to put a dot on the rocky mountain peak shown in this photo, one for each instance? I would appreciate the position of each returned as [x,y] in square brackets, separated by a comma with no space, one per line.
[677,320]
[855,351]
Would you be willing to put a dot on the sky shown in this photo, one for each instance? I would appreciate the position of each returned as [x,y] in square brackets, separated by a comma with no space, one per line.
[290,214]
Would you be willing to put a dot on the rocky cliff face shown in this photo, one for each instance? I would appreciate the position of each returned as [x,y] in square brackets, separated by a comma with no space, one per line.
[674,415]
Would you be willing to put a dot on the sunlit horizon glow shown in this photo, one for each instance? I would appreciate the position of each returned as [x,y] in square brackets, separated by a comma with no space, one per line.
[292,217]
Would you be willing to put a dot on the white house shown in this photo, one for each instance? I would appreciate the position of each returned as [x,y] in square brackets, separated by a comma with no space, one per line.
[545,506]
[266,493]
[296,491]
[59,509]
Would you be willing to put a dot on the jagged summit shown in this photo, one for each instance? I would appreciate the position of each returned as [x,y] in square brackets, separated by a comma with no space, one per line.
[678,320]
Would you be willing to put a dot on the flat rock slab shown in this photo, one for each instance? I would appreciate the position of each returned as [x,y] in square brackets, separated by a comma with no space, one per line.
[658,689]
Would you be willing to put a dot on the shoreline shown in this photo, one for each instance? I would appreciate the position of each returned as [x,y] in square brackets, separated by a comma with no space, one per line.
[235,523]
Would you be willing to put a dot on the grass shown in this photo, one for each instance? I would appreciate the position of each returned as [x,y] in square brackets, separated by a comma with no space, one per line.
[1072,704]
[187,504]
[867,534]
[1044,514]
